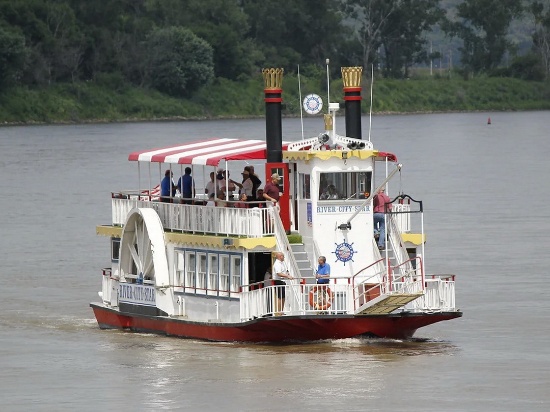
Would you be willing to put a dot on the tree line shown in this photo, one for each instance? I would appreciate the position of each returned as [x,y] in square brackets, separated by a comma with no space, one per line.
[177,46]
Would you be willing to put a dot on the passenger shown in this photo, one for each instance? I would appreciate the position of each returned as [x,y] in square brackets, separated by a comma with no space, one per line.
[211,186]
[280,272]
[247,186]
[271,189]
[227,184]
[323,271]
[256,182]
[380,202]
[186,185]
[242,204]
[167,187]
[330,193]
[211,199]
[220,199]
[259,202]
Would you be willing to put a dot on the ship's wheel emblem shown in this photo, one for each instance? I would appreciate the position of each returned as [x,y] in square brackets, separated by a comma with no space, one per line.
[344,252]
[313,104]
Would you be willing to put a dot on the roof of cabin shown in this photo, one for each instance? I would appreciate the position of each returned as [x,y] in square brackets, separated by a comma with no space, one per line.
[206,152]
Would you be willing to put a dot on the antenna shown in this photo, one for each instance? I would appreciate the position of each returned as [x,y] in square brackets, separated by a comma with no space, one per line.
[371,83]
[300,102]
[327,61]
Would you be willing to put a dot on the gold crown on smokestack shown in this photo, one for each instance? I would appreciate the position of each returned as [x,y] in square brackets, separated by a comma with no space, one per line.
[273,78]
[351,76]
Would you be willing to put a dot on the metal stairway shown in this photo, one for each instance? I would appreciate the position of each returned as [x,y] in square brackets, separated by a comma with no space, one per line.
[302,260]
[405,285]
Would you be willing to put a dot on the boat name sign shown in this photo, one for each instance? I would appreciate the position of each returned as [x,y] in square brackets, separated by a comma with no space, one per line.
[136,294]
[341,209]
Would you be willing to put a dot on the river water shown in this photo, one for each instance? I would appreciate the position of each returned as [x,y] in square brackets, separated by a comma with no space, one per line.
[486,196]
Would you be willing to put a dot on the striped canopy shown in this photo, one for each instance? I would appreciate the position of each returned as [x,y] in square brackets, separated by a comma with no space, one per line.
[206,152]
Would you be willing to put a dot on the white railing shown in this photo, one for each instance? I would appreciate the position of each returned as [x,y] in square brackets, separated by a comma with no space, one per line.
[301,299]
[254,222]
[402,216]
[439,295]
[258,300]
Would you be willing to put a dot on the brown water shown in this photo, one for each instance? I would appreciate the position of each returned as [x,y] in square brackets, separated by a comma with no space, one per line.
[486,195]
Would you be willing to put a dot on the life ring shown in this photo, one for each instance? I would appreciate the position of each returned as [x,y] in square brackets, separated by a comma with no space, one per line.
[323,299]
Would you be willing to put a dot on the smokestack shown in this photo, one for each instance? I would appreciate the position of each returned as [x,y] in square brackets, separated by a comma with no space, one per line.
[351,77]
[273,81]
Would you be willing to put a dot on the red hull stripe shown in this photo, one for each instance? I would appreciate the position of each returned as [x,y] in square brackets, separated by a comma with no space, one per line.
[302,328]
[273,99]
[352,98]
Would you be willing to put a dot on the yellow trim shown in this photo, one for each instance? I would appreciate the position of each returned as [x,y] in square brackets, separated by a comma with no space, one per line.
[327,154]
[111,231]
[414,238]
[218,241]
[268,242]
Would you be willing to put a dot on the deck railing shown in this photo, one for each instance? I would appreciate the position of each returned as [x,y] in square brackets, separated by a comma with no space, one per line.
[251,222]
[260,299]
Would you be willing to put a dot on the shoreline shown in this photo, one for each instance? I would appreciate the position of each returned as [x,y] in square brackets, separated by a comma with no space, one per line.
[242,117]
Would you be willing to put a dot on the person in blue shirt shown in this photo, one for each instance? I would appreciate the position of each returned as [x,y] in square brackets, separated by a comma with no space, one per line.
[167,187]
[323,271]
[186,185]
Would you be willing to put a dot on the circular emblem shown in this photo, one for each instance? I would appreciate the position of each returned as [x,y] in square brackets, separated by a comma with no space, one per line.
[313,104]
[344,252]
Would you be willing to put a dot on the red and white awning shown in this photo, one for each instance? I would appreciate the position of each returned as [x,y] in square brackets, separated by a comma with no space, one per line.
[206,152]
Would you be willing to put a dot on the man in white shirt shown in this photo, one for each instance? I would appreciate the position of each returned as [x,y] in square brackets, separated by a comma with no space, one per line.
[280,272]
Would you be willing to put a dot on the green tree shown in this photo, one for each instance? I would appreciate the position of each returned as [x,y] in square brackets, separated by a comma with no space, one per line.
[178,61]
[391,32]
[541,36]
[12,57]
[222,23]
[483,26]
[300,31]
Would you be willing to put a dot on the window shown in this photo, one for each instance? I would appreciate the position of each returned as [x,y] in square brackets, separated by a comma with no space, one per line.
[190,268]
[235,273]
[213,273]
[344,185]
[115,249]
[180,268]
[201,274]
[304,184]
[224,273]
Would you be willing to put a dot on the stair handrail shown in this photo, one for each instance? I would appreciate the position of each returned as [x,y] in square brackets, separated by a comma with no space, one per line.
[394,236]
[283,245]
[412,271]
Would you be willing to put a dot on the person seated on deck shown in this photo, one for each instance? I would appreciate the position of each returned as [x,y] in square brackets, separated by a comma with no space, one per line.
[167,187]
[259,199]
[242,204]
[220,199]
[211,200]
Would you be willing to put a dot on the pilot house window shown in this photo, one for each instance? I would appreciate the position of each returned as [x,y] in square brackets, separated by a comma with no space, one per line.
[344,185]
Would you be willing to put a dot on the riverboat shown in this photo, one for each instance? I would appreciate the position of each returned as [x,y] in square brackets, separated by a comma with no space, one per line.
[183,268]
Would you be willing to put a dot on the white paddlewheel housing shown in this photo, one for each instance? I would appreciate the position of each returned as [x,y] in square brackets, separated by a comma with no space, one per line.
[143,255]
